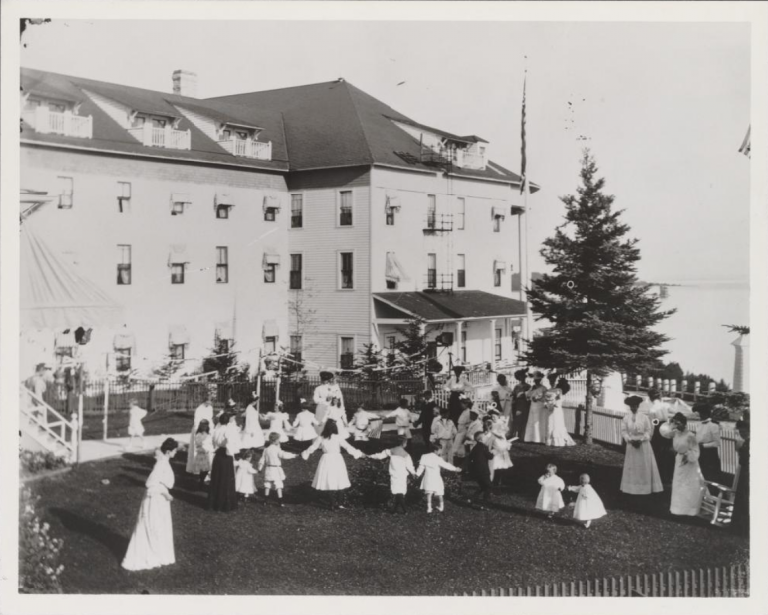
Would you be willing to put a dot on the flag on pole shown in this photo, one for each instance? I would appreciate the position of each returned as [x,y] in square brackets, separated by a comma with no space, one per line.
[523,161]
[746,145]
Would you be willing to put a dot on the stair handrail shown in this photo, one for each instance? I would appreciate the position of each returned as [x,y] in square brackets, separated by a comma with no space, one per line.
[43,422]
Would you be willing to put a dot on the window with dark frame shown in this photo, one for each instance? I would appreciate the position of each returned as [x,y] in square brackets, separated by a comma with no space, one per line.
[391,285]
[295,348]
[124,197]
[463,346]
[270,214]
[497,224]
[461,272]
[177,352]
[345,208]
[497,277]
[123,264]
[222,265]
[123,360]
[177,273]
[347,357]
[294,282]
[431,211]
[347,270]
[431,270]
[222,211]
[297,211]
[270,345]
[177,208]
[497,345]
[66,192]
[460,207]
[270,273]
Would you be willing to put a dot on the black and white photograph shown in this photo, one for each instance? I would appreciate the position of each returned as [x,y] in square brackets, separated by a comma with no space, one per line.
[368,301]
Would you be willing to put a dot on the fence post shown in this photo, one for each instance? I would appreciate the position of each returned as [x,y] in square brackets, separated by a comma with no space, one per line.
[151,400]
[79,423]
[106,408]
[75,440]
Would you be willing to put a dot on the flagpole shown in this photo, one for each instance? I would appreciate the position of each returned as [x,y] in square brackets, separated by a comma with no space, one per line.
[525,188]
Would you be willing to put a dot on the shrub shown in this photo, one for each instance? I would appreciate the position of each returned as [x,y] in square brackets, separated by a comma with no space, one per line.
[39,568]
[34,462]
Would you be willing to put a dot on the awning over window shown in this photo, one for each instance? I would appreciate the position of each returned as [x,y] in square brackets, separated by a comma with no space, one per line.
[499,212]
[499,265]
[178,254]
[65,340]
[181,197]
[394,271]
[124,341]
[224,330]
[270,330]
[271,257]
[393,202]
[272,202]
[178,335]
[223,199]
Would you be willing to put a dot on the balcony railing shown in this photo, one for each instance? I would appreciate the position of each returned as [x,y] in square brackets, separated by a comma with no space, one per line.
[467,159]
[248,149]
[438,223]
[53,122]
[434,281]
[162,136]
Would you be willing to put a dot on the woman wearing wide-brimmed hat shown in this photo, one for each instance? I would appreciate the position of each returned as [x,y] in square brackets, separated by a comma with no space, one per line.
[687,482]
[521,405]
[537,426]
[640,475]
[457,385]
[327,395]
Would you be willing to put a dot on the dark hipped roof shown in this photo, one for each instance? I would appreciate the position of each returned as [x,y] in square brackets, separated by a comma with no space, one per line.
[336,124]
[109,135]
[454,305]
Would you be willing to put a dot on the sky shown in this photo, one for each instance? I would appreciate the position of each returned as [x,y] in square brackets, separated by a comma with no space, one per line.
[663,107]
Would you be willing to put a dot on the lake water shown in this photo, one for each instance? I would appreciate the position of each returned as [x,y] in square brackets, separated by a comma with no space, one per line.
[698,341]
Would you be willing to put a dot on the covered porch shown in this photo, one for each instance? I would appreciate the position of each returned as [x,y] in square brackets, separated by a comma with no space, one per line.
[469,327]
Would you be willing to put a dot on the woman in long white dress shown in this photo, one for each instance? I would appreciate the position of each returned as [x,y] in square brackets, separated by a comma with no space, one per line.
[457,385]
[640,475]
[203,412]
[537,427]
[331,474]
[465,420]
[324,395]
[253,434]
[687,481]
[151,543]
[557,432]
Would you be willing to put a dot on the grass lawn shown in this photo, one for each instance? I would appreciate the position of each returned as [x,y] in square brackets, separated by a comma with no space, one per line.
[306,549]
[155,424]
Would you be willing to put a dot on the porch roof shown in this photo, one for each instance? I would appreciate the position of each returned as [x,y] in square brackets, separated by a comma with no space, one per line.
[456,305]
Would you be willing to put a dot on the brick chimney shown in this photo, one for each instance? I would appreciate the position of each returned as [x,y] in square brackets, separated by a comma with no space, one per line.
[185,83]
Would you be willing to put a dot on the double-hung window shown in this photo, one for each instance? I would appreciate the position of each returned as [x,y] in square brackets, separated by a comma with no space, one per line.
[294,282]
[460,213]
[297,211]
[431,270]
[345,208]
[222,265]
[123,197]
[347,354]
[347,270]
[123,264]
[497,345]
[431,211]
[296,348]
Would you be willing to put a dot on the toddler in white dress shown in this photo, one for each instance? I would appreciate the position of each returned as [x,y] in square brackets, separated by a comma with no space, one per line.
[304,425]
[400,467]
[272,465]
[135,426]
[432,483]
[550,497]
[279,422]
[245,480]
[588,504]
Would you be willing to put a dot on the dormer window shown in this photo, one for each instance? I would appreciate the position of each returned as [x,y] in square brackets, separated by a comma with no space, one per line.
[56,117]
[159,132]
[239,142]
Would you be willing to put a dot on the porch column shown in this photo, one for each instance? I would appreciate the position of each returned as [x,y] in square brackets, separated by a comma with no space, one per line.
[457,343]
[493,343]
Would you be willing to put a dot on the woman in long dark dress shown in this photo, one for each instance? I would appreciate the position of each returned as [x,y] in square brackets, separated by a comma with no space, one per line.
[456,385]
[740,519]
[222,495]
[708,437]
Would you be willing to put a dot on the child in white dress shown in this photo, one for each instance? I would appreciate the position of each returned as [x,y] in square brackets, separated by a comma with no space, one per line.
[432,483]
[444,433]
[245,480]
[588,504]
[338,414]
[305,424]
[279,422]
[400,467]
[203,442]
[135,426]
[550,497]
[403,419]
[360,426]
[272,465]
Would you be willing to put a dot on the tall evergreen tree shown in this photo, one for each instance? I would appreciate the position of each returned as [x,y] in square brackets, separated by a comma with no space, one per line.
[601,316]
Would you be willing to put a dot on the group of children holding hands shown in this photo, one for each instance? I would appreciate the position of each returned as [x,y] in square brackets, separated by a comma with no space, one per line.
[479,440]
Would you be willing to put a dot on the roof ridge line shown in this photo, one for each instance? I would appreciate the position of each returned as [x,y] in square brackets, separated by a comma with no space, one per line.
[347,85]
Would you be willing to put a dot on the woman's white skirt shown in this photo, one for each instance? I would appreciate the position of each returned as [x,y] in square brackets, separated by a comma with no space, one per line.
[331,473]
[152,539]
